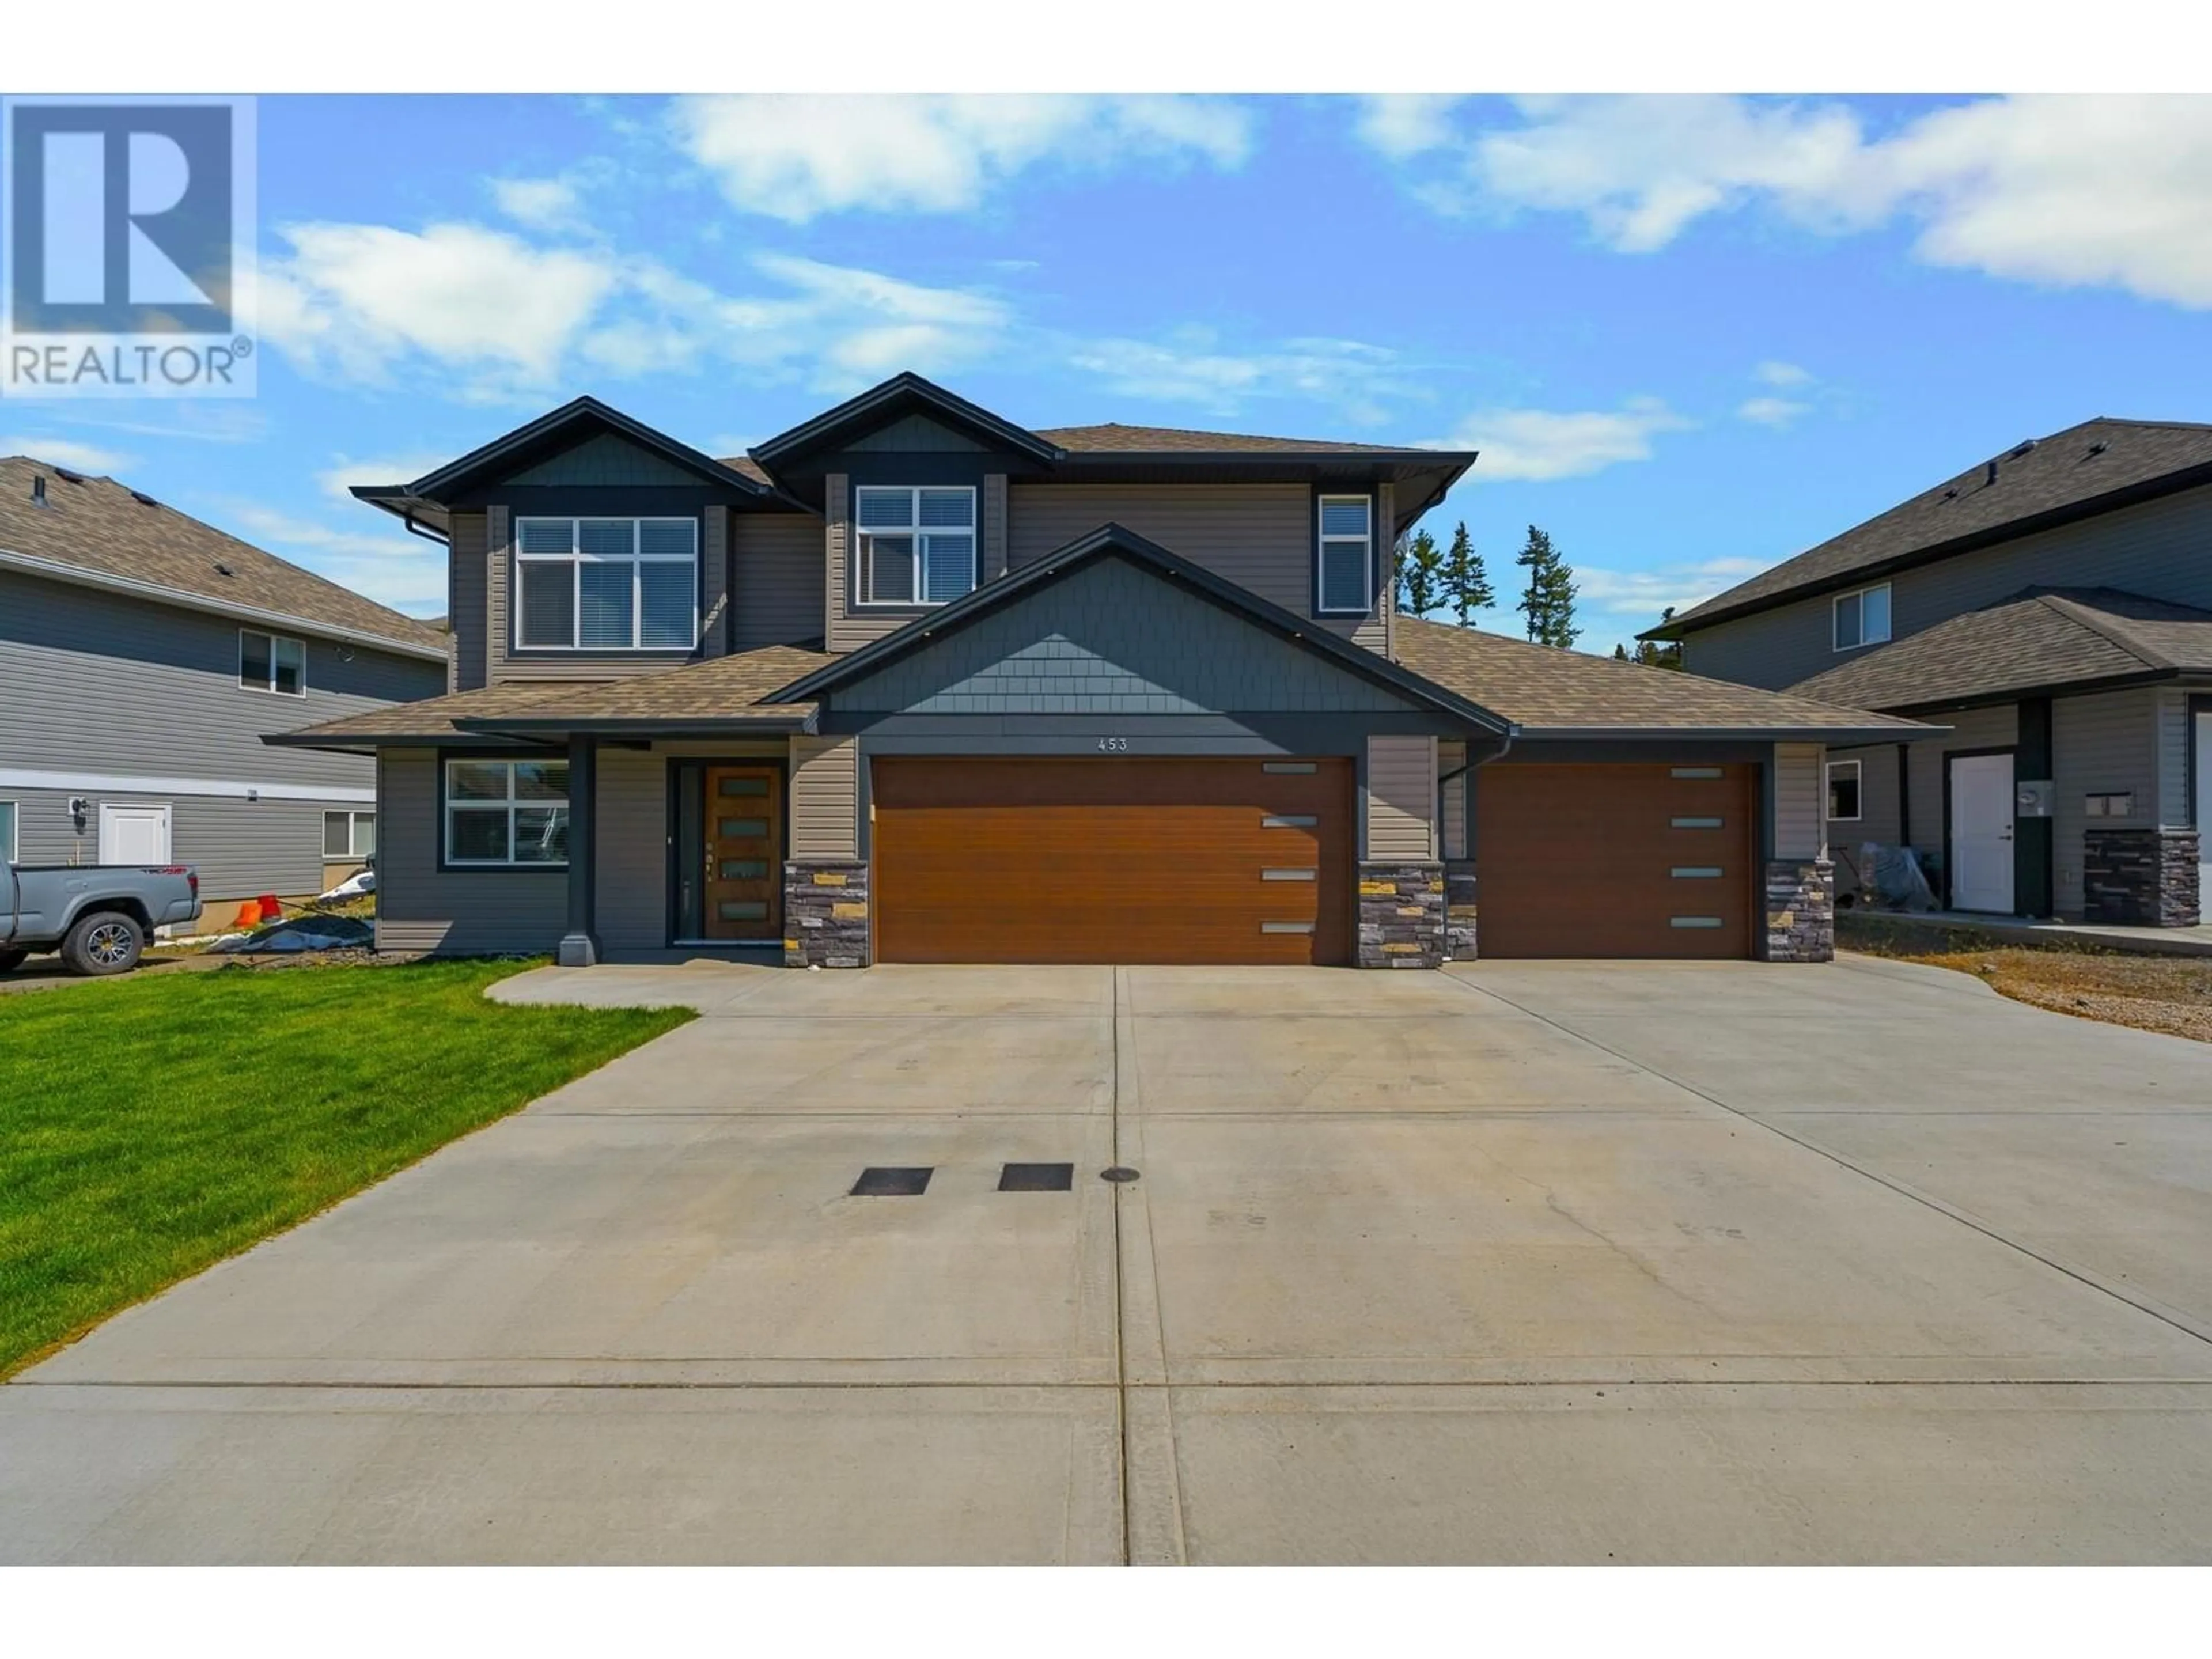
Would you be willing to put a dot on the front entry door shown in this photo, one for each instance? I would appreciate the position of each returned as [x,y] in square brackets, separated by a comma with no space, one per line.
[2204,814]
[1981,833]
[743,834]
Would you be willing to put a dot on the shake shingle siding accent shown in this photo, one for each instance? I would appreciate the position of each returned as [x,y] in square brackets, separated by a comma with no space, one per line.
[604,460]
[421,908]
[776,579]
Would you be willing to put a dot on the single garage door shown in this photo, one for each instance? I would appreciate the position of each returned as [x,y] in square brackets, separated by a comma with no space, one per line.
[1137,861]
[1613,861]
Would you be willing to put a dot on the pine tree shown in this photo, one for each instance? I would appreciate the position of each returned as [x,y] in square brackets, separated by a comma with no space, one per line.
[1465,583]
[1420,575]
[1549,602]
[1653,654]
[1620,653]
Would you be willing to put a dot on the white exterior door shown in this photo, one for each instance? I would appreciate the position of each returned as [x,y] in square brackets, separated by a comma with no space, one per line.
[2204,815]
[133,834]
[1981,833]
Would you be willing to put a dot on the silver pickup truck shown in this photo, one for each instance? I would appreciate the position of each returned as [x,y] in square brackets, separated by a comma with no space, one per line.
[97,916]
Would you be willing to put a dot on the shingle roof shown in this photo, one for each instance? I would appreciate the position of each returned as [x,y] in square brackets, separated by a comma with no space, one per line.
[2040,637]
[1542,689]
[430,718]
[100,526]
[2067,474]
[1114,437]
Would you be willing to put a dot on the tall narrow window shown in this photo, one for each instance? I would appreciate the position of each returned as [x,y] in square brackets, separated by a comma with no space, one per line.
[606,584]
[9,852]
[914,546]
[269,662]
[1348,560]
[506,811]
[1844,791]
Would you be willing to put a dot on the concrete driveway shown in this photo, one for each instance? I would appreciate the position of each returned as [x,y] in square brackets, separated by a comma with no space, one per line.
[1517,1262]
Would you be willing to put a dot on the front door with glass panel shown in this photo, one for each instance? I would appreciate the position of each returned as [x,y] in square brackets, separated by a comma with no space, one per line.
[741,878]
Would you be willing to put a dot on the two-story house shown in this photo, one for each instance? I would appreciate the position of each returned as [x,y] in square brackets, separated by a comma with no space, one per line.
[912,683]
[143,656]
[2052,606]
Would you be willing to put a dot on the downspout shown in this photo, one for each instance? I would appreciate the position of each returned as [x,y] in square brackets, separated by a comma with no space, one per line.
[414,529]
[1464,768]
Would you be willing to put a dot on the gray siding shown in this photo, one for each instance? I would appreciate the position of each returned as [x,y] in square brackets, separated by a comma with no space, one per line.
[776,580]
[420,908]
[98,683]
[2162,549]
[713,579]
[1972,728]
[994,525]
[469,599]
[2174,806]
[1878,811]
[630,901]
[1259,536]
[1111,639]
[2099,745]
[1401,797]
[915,434]
[1799,807]
[240,849]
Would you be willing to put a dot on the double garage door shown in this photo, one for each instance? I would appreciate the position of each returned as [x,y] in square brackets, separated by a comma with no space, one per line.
[1146,860]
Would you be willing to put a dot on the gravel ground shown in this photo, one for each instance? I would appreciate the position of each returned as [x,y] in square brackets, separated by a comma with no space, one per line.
[2172,994]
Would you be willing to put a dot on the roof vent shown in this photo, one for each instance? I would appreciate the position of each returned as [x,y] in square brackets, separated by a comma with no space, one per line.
[1989,476]
[144,499]
[2099,448]
[222,569]
[63,473]
[1951,494]
[38,490]
[2020,449]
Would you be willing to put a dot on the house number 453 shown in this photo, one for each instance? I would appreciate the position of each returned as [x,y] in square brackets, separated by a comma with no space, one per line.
[1112,746]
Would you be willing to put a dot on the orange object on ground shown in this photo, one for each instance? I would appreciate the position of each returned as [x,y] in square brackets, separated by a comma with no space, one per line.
[249,914]
[272,907]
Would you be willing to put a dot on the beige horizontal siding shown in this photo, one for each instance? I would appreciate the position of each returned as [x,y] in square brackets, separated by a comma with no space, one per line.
[1401,791]
[419,908]
[1801,809]
[776,580]
[466,598]
[1450,758]
[630,900]
[714,580]
[824,798]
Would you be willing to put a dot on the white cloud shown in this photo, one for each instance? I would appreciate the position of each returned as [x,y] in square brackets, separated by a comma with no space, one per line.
[337,481]
[2069,191]
[1772,372]
[69,452]
[540,204]
[1537,446]
[393,569]
[1190,368]
[1406,124]
[1613,606]
[1776,412]
[796,157]
[282,530]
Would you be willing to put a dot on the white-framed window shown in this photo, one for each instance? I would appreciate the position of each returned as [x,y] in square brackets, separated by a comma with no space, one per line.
[506,812]
[914,546]
[348,834]
[269,662]
[11,848]
[1343,583]
[1844,791]
[1861,618]
[606,584]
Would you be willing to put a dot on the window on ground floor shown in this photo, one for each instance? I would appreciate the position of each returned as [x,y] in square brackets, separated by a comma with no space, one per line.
[9,850]
[506,812]
[1844,791]
[348,834]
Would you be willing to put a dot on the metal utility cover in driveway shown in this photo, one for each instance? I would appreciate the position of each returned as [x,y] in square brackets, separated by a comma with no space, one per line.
[1036,1178]
[881,1183]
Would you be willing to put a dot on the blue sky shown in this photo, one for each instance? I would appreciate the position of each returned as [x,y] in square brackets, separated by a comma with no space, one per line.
[1692,336]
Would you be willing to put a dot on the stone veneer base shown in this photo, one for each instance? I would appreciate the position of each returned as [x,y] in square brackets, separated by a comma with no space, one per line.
[1459,910]
[1801,910]
[1401,915]
[2144,878]
[825,913]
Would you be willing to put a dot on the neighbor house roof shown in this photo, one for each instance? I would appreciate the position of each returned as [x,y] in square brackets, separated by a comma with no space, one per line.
[2036,638]
[1548,692]
[2092,468]
[97,532]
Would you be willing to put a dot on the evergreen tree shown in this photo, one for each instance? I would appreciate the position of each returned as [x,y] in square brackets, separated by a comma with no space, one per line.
[1620,653]
[1549,602]
[1465,583]
[1420,575]
[1653,654]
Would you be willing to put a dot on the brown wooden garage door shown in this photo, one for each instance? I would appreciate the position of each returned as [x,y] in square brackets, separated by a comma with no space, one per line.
[1613,861]
[1136,860]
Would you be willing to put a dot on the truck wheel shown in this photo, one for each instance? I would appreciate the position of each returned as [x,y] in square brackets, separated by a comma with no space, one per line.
[105,942]
[11,960]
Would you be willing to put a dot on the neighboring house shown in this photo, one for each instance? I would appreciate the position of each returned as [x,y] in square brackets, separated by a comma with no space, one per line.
[2053,607]
[143,655]
[911,683]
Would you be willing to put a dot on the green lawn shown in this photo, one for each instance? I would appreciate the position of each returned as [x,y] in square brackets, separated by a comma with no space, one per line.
[155,1125]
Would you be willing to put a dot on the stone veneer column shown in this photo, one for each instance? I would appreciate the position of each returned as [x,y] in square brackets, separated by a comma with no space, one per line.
[1459,910]
[825,913]
[1401,915]
[2146,877]
[1801,910]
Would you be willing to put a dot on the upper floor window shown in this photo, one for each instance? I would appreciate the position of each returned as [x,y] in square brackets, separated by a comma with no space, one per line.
[606,584]
[1861,618]
[914,546]
[1347,553]
[506,811]
[269,662]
